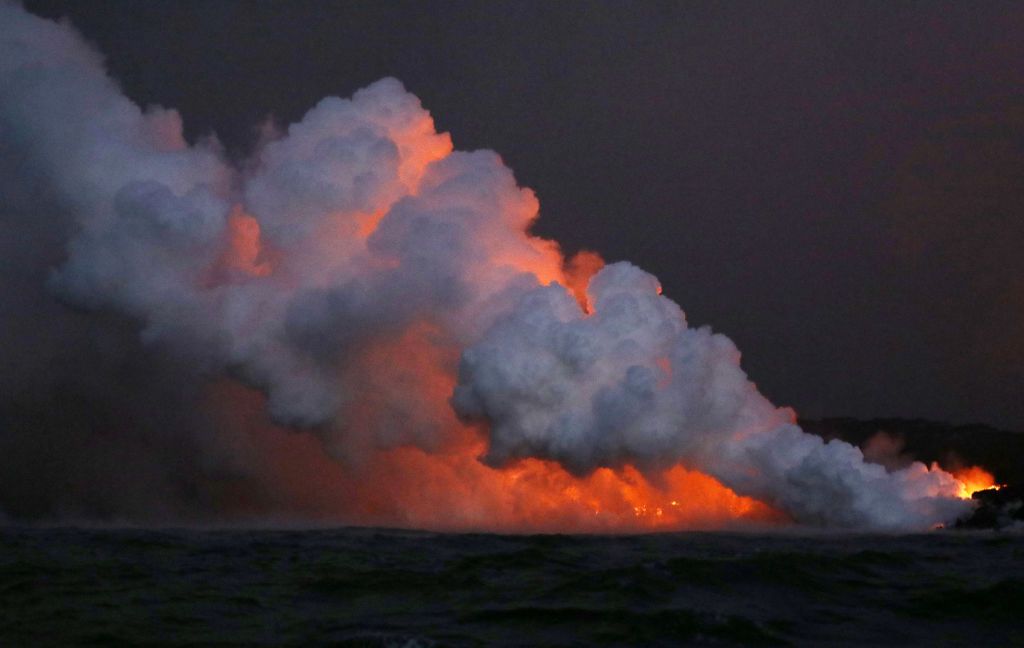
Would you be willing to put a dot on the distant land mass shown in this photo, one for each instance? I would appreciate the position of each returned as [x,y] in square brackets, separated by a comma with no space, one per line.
[895,442]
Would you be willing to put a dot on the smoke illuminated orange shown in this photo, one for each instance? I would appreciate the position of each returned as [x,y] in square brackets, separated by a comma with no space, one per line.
[448,487]
[973,479]
[243,252]
[396,454]
[363,479]
[578,270]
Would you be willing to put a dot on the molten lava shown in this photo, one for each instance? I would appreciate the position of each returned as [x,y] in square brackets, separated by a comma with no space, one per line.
[449,489]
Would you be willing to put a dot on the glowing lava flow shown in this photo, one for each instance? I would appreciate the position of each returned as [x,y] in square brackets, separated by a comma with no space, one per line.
[396,454]
[973,479]
[355,474]
[451,490]
[392,344]
[447,487]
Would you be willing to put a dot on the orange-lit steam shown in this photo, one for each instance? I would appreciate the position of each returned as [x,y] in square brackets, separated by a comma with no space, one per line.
[450,489]
[973,479]
[578,270]
[362,472]
[447,487]
[244,253]
[455,491]
[386,336]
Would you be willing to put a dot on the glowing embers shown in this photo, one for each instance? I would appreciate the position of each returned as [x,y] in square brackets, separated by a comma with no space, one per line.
[973,479]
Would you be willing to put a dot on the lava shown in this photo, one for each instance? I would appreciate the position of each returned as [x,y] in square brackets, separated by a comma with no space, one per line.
[449,489]
[973,479]
[388,341]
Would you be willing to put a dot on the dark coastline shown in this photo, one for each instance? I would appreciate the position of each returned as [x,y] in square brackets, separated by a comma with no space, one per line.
[999,451]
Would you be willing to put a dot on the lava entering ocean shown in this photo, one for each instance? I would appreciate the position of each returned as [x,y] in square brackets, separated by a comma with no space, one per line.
[974,479]
[382,293]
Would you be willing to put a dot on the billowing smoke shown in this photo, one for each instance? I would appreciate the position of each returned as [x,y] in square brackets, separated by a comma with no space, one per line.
[384,292]
[631,383]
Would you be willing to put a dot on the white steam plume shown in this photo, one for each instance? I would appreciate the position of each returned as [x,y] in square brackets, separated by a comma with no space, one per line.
[631,383]
[358,227]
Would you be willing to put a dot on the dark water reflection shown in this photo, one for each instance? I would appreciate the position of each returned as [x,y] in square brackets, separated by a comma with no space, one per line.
[383,587]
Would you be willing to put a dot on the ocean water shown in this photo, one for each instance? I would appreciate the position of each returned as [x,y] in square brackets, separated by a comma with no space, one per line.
[372,587]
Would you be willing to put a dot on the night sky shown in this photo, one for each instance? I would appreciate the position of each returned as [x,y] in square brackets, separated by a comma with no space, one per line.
[839,187]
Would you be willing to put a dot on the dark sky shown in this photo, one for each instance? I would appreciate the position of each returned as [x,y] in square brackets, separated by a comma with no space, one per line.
[839,187]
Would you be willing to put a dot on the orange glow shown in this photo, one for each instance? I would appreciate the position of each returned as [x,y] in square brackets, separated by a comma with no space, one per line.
[447,487]
[665,365]
[419,145]
[243,253]
[974,479]
[578,270]
[397,455]
[454,491]
[539,257]
[367,223]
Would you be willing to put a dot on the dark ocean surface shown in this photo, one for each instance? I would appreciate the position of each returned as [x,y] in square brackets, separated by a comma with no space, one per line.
[370,587]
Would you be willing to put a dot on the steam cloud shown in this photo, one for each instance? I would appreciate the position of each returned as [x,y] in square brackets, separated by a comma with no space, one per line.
[359,237]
